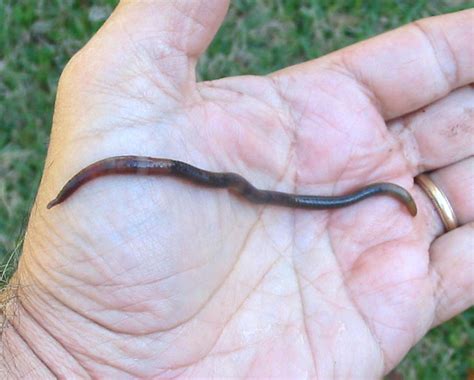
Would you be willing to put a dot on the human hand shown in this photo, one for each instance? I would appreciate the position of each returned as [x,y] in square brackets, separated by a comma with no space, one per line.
[153,277]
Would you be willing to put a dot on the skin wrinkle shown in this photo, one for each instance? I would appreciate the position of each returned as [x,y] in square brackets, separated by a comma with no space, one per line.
[36,229]
[319,291]
[125,89]
[294,129]
[328,301]
[391,327]
[269,90]
[50,271]
[124,240]
[197,266]
[87,242]
[329,180]
[187,151]
[356,306]
[338,178]
[250,368]
[51,274]
[273,99]
[61,302]
[104,130]
[129,124]
[348,70]
[162,51]
[97,300]
[394,285]
[85,352]
[257,133]
[407,137]
[320,116]
[293,132]
[158,337]
[214,292]
[158,85]
[450,82]
[304,317]
[375,240]
[219,164]
[240,117]
[275,337]
[361,259]
[451,77]
[406,143]
[168,87]
[128,371]
[188,109]
[232,316]
[10,312]
[186,24]
[117,228]
[318,232]
[189,25]
[34,320]
[169,45]
[273,243]
[285,104]
[259,219]
[371,323]
[245,347]
[323,88]
[297,274]
[294,152]
[32,349]
[438,281]
[165,373]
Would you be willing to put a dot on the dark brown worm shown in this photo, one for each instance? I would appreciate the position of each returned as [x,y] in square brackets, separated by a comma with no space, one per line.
[233,182]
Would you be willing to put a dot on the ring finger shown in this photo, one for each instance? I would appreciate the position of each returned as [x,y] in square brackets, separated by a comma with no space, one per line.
[451,260]
[457,183]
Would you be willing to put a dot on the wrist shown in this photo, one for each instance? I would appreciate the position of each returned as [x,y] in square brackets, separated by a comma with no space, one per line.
[18,359]
[28,348]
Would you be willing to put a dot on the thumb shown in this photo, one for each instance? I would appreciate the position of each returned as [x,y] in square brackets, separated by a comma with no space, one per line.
[180,29]
[168,34]
[187,26]
[140,62]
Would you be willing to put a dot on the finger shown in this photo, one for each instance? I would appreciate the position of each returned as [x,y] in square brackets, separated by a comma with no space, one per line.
[402,70]
[439,134]
[189,26]
[453,272]
[171,34]
[457,183]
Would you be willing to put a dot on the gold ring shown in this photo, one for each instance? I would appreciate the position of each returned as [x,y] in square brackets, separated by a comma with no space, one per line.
[439,199]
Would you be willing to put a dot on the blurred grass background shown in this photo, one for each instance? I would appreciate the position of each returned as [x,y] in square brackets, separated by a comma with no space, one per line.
[37,38]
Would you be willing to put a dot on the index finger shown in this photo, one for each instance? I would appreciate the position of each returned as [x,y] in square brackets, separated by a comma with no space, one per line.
[408,68]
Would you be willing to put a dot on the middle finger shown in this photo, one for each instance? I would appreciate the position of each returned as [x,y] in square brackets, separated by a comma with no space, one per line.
[439,134]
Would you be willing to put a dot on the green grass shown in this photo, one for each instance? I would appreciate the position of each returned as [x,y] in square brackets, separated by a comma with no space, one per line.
[37,37]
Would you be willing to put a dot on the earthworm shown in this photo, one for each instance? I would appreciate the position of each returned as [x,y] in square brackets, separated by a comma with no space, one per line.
[234,182]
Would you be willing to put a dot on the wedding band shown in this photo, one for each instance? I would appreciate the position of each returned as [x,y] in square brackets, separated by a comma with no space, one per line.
[440,201]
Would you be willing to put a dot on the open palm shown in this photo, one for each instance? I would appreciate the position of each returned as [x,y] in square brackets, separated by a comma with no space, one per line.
[150,276]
